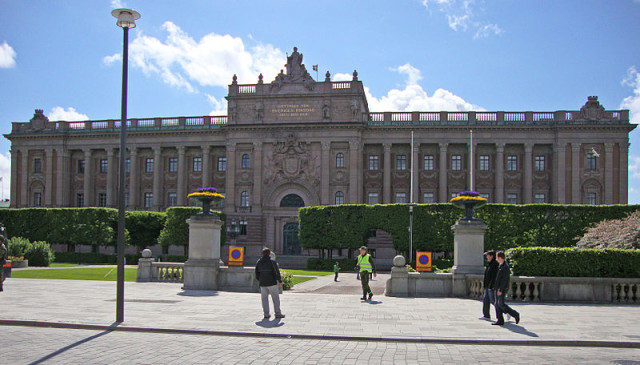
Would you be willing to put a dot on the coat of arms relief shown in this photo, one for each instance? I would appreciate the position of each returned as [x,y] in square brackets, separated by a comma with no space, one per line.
[291,161]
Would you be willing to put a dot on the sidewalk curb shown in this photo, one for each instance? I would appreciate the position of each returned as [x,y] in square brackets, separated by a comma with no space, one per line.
[433,340]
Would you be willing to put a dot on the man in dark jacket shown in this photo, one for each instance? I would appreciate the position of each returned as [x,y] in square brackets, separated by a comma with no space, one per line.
[501,286]
[489,296]
[268,274]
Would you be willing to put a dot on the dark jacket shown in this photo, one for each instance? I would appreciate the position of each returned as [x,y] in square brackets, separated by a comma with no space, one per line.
[267,272]
[490,274]
[502,278]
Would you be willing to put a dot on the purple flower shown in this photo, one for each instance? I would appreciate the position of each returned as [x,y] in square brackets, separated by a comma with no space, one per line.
[469,193]
[207,190]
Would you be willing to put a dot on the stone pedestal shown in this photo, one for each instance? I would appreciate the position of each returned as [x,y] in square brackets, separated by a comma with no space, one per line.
[201,269]
[145,271]
[468,250]
[398,285]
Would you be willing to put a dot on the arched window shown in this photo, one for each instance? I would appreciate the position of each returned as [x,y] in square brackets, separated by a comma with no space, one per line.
[292,201]
[339,198]
[340,160]
[245,161]
[244,199]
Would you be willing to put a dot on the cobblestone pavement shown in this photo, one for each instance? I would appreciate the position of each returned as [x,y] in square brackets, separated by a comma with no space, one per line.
[34,345]
[346,284]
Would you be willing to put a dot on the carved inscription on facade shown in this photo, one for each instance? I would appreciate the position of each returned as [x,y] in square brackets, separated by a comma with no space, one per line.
[293,110]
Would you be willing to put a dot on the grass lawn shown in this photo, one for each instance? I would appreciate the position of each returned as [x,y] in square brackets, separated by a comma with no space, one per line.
[306,272]
[93,273]
[301,279]
[57,264]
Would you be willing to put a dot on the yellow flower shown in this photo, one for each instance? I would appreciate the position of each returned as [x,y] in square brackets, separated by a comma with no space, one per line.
[206,195]
[468,198]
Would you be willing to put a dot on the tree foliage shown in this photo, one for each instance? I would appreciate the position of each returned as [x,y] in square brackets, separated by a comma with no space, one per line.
[614,233]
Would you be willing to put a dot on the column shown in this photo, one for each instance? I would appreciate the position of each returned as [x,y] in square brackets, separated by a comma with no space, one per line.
[326,171]
[416,173]
[14,178]
[560,156]
[157,178]
[528,173]
[257,176]
[354,155]
[499,198]
[88,174]
[386,179]
[111,175]
[575,173]
[624,172]
[182,171]
[230,189]
[48,189]
[24,171]
[608,173]
[442,171]
[206,168]
[133,178]
[65,170]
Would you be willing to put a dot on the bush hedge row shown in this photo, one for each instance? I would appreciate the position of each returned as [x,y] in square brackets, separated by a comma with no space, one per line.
[176,230]
[509,226]
[574,262]
[38,253]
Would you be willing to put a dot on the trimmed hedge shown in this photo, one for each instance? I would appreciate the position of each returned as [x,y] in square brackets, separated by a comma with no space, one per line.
[144,228]
[176,229]
[509,226]
[39,253]
[318,264]
[574,262]
[93,258]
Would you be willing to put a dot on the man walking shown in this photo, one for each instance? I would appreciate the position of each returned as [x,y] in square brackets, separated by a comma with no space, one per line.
[502,287]
[489,296]
[366,267]
[336,269]
[268,274]
[3,254]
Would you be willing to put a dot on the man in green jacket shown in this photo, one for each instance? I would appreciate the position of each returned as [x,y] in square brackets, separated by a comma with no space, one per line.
[336,270]
[366,267]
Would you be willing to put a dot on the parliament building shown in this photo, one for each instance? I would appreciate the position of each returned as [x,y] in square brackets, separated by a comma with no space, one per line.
[296,142]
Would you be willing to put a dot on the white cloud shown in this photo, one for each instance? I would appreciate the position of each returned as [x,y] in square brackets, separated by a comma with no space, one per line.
[634,167]
[342,77]
[462,15]
[108,60]
[69,114]
[632,102]
[414,98]
[7,56]
[184,62]
[117,4]
[219,106]
[5,173]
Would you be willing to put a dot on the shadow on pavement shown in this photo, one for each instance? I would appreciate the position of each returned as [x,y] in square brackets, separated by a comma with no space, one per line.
[270,324]
[69,347]
[519,330]
[198,293]
[373,302]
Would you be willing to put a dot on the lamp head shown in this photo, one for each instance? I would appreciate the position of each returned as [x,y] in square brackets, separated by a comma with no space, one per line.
[126,17]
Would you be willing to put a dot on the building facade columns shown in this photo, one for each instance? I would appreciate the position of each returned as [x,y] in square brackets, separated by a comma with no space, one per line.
[576,197]
[88,175]
[528,173]
[206,166]
[24,178]
[133,178]
[48,185]
[257,176]
[560,159]
[608,173]
[442,184]
[499,198]
[230,188]
[13,197]
[354,171]
[182,175]
[415,173]
[326,170]
[111,177]
[157,178]
[624,172]
[386,173]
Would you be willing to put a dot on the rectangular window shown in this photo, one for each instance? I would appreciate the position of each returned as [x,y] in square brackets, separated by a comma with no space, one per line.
[104,166]
[222,164]
[401,198]
[148,165]
[340,160]
[243,227]
[512,163]
[512,198]
[429,163]
[244,199]
[37,199]
[80,200]
[148,200]
[127,166]
[540,163]
[401,162]
[80,168]
[172,199]
[592,198]
[456,163]
[540,198]
[102,200]
[197,164]
[374,162]
[428,198]
[173,164]
[372,198]
[592,161]
[484,163]
[37,165]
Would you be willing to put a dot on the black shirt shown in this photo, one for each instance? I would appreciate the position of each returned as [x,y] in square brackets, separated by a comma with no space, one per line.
[267,272]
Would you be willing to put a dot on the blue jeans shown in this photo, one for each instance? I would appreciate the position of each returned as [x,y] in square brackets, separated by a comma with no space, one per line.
[488,298]
[502,307]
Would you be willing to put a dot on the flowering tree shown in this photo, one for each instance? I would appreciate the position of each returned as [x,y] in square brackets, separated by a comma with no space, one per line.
[615,233]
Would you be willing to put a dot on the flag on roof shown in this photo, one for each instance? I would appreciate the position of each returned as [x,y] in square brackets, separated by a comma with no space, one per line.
[315,67]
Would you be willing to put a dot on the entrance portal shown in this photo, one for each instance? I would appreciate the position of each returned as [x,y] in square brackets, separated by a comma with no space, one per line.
[291,243]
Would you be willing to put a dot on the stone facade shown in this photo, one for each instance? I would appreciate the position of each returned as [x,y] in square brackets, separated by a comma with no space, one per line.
[296,141]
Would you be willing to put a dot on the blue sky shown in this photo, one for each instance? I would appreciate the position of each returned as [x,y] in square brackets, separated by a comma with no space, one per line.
[64,56]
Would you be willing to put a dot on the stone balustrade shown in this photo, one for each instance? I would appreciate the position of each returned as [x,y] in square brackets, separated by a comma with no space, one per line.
[167,272]
[625,291]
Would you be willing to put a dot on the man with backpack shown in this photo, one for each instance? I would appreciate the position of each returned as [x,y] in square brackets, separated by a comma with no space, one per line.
[268,274]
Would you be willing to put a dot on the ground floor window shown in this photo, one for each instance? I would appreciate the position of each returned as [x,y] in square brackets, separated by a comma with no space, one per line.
[37,199]
[290,241]
[172,199]
[373,198]
[592,198]
[148,200]
[540,198]
[80,200]
[512,198]
[102,199]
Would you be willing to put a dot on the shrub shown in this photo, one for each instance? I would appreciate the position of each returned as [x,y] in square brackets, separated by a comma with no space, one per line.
[39,253]
[617,233]
[318,264]
[574,262]
[287,281]
[176,229]
[144,228]
[18,246]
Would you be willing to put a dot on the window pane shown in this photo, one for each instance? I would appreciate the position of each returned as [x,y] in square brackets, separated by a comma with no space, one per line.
[374,162]
[427,198]
[540,163]
[512,163]
[104,166]
[456,162]
[484,163]
[512,198]
[401,198]
[80,167]
[172,199]
[148,165]
[222,164]
[37,165]
[340,160]
[197,164]
[245,161]
[244,199]
[429,163]
[339,198]
[148,200]
[401,162]
[373,198]
[540,198]
[173,164]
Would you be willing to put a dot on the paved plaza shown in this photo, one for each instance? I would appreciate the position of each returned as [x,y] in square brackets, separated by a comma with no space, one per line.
[225,327]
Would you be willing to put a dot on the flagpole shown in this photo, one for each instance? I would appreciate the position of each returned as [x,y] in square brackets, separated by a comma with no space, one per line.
[471,157]
[411,206]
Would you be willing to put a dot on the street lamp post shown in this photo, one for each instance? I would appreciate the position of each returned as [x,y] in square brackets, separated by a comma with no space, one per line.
[411,232]
[126,19]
